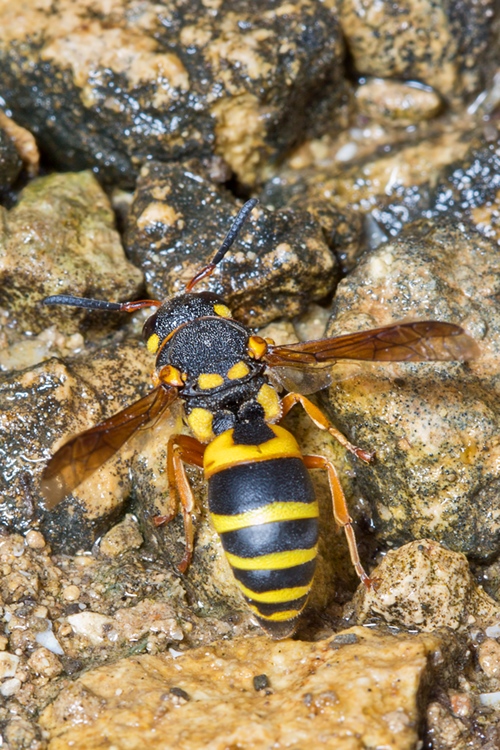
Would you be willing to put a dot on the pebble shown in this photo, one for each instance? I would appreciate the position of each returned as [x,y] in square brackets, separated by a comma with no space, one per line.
[71,593]
[91,625]
[10,687]
[461,704]
[122,537]
[8,665]
[489,657]
[492,700]
[45,663]
[35,540]
[48,640]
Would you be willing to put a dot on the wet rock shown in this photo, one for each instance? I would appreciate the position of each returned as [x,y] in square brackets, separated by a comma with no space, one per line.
[39,410]
[109,88]
[45,635]
[438,43]
[317,696]
[465,189]
[362,205]
[21,733]
[177,221]
[60,238]
[434,426]
[425,586]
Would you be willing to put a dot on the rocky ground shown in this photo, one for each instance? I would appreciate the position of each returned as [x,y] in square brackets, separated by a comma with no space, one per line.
[130,134]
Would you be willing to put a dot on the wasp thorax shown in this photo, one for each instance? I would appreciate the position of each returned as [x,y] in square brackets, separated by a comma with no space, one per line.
[179,310]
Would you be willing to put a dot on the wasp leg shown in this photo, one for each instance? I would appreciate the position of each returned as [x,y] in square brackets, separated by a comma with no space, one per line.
[181,450]
[323,423]
[340,512]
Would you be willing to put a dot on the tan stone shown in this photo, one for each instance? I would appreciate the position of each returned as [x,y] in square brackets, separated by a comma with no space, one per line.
[359,695]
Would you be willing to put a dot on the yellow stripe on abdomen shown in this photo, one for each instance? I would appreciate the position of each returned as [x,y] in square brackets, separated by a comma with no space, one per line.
[277,596]
[273,561]
[285,616]
[222,453]
[266,514]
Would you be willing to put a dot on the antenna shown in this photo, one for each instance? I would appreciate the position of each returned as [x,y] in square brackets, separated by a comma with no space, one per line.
[229,239]
[99,304]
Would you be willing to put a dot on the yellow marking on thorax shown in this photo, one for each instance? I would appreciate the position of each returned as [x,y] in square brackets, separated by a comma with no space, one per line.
[208,380]
[270,402]
[257,347]
[239,370]
[222,310]
[153,343]
[223,452]
[200,421]
[275,597]
[267,514]
[171,376]
[273,561]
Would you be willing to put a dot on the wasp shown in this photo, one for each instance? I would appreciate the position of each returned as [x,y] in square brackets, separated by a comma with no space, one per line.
[260,495]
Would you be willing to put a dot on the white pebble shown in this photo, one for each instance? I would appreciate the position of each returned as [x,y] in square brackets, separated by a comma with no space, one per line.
[346,152]
[175,654]
[48,640]
[490,699]
[10,687]
[90,624]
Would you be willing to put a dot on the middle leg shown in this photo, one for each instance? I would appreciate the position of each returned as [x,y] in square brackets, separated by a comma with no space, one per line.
[323,423]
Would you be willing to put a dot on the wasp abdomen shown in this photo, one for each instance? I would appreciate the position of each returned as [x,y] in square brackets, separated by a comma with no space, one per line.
[266,515]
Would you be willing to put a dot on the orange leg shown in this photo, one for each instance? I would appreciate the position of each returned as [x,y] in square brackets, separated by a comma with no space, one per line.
[322,422]
[182,449]
[340,512]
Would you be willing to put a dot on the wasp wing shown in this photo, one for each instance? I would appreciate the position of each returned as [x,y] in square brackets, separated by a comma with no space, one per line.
[303,379]
[421,341]
[77,459]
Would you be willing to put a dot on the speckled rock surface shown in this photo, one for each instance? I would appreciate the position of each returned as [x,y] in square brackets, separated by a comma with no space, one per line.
[441,44]
[353,696]
[423,585]
[434,426]
[132,80]
[177,221]
[60,238]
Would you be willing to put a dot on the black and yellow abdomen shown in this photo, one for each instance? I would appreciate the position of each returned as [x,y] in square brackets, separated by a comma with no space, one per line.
[263,506]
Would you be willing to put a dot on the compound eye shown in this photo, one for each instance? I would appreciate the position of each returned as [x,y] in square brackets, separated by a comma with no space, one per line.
[149,333]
